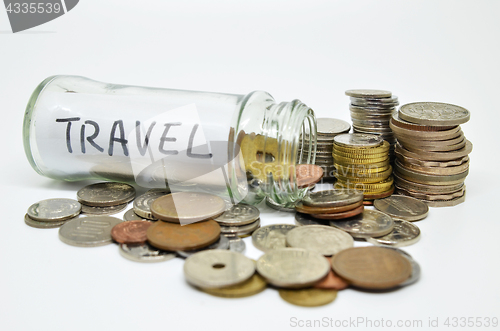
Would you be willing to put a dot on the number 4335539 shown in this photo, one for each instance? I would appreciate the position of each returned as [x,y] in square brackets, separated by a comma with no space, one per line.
[471,322]
[33,8]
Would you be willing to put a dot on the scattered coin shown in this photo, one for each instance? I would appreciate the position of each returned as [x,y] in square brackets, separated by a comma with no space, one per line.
[252,286]
[308,297]
[271,236]
[342,215]
[403,234]
[176,237]
[218,268]
[332,198]
[373,268]
[300,207]
[241,230]
[238,214]
[130,215]
[402,207]
[88,231]
[332,281]
[108,210]
[371,223]
[42,224]
[222,243]
[322,239]
[415,267]
[306,219]
[142,204]
[236,244]
[276,206]
[187,207]
[292,267]
[54,210]
[106,194]
[131,232]
[145,253]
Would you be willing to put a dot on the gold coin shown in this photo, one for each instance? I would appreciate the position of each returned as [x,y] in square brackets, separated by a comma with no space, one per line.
[308,297]
[367,187]
[360,150]
[367,177]
[254,285]
[384,163]
[351,171]
[347,160]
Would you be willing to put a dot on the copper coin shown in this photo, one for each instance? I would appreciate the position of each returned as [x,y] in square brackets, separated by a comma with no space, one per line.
[187,207]
[367,202]
[379,195]
[308,174]
[300,207]
[176,237]
[373,268]
[130,232]
[332,281]
[339,216]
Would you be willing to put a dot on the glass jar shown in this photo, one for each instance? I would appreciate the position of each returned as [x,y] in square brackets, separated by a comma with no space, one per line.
[241,147]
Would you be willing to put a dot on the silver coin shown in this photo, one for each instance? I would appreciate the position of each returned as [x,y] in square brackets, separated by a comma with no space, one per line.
[88,231]
[240,230]
[271,236]
[370,223]
[302,219]
[145,253]
[236,244]
[106,194]
[274,205]
[53,210]
[41,224]
[370,94]
[238,214]
[360,140]
[292,267]
[434,113]
[109,210]
[321,239]
[393,101]
[415,267]
[332,198]
[130,215]
[402,207]
[403,234]
[332,126]
[218,268]
[142,204]
[222,243]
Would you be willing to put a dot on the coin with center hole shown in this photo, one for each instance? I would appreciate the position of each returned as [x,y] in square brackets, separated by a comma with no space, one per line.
[324,240]
[106,194]
[54,210]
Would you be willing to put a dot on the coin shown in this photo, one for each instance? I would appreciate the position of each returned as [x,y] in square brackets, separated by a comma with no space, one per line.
[131,232]
[434,113]
[142,204]
[395,120]
[222,243]
[252,286]
[424,135]
[108,210]
[236,244]
[308,297]
[371,223]
[54,210]
[271,236]
[358,140]
[440,203]
[369,94]
[308,174]
[106,194]
[42,224]
[130,215]
[436,148]
[437,171]
[415,267]
[176,237]
[381,195]
[432,197]
[427,189]
[239,214]
[292,267]
[332,198]
[428,179]
[274,205]
[402,207]
[403,234]
[373,268]
[331,126]
[187,207]
[145,253]
[306,219]
[377,101]
[342,215]
[241,230]
[218,268]
[331,281]
[322,239]
[88,231]
[300,207]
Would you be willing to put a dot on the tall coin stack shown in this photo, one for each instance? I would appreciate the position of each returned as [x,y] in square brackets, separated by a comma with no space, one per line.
[362,163]
[432,152]
[371,112]
[327,128]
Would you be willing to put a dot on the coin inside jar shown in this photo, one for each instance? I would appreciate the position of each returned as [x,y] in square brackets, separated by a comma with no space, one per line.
[130,232]
[308,174]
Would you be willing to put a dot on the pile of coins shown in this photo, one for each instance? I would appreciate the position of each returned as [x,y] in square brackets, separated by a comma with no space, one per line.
[371,112]
[432,152]
[331,205]
[363,164]
[327,129]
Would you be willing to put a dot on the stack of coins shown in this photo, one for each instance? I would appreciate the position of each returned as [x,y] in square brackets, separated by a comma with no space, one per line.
[371,112]
[330,205]
[105,198]
[362,162]
[432,152]
[327,129]
[240,220]
[52,213]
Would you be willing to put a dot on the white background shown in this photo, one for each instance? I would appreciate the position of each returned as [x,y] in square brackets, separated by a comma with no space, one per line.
[445,51]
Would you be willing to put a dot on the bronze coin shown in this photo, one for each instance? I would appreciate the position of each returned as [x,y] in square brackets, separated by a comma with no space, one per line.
[367,202]
[379,195]
[308,174]
[130,232]
[339,216]
[176,237]
[373,268]
[300,207]
[187,207]
[332,281]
